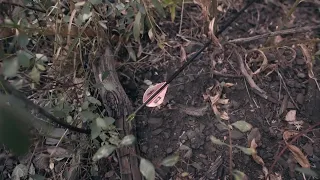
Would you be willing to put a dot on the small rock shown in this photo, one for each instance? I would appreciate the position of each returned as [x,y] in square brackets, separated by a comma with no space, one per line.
[221,127]
[235,134]
[300,98]
[300,61]
[155,122]
[191,134]
[157,131]
[169,150]
[144,149]
[308,148]
[290,83]
[166,135]
[290,105]
[301,75]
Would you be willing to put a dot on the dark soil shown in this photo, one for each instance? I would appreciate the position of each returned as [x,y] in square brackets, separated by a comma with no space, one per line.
[162,131]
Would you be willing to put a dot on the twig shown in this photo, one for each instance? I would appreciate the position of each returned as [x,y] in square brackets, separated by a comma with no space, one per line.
[182,10]
[276,33]
[230,150]
[217,73]
[286,88]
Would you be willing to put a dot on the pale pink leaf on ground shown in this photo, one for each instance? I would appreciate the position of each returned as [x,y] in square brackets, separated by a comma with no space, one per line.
[158,99]
[291,116]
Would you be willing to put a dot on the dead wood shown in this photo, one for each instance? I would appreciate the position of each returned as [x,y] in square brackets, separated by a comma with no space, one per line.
[276,33]
[118,106]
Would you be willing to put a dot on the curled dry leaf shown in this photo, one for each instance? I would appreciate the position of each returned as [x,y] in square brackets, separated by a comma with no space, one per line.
[262,58]
[308,59]
[299,156]
[183,54]
[291,116]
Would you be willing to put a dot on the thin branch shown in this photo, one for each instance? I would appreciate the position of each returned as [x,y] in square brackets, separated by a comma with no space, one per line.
[276,33]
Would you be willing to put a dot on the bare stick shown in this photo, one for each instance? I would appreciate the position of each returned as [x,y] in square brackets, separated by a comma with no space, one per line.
[276,33]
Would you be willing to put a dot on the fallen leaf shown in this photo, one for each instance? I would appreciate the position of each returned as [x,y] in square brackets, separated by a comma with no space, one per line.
[299,156]
[254,134]
[289,134]
[243,126]
[214,140]
[291,116]
[307,171]
[103,151]
[128,140]
[147,169]
[58,152]
[248,151]
[183,54]
[170,160]
[238,175]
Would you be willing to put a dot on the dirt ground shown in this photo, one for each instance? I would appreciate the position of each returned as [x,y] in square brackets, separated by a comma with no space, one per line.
[185,122]
[163,131]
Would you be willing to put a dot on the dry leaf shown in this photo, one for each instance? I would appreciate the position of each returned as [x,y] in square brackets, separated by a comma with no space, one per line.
[299,156]
[291,116]
[254,135]
[223,101]
[183,54]
[289,134]
[224,115]
[308,59]
[211,33]
[193,111]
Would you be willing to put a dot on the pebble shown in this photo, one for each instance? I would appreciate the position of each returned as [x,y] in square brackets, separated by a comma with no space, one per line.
[300,61]
[166,135]
[144,149]
[235,134]
[157,131]
[301,75]
[290,105]
[155,122]
[169,150]
[300,98]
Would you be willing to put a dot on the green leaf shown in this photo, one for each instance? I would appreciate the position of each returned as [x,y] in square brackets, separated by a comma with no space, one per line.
[41,57]
[94,100]
[14,124]
[136,26]
[248,151]
[238,175]
[128,140]
[172,9]
[105,75]
[147,169]
[307,171]
[95,2]
[88,115]
[95,130]
[243,126]
[131,52]
[170,160]
[85,105]
[24,58]
[41,67]
[35,75]
[159,8]
[104,123]
[10,67]
[22,40]
[214,140]
[103,151]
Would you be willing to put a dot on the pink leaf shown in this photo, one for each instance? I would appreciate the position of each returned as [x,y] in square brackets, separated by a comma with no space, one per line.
[158,99]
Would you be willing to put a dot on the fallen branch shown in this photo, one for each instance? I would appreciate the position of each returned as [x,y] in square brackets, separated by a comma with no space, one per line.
[276,33]
[255,88]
